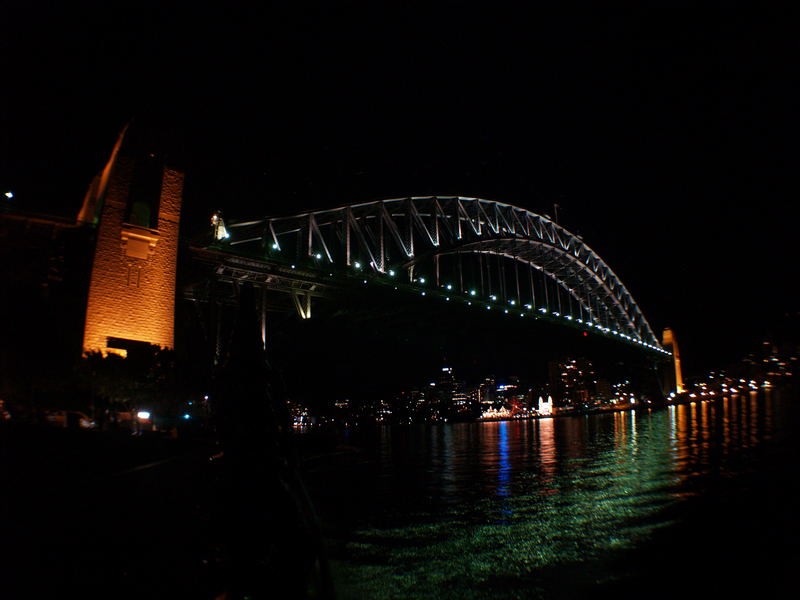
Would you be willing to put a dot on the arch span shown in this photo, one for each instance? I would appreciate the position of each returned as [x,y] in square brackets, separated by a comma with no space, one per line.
[470,248]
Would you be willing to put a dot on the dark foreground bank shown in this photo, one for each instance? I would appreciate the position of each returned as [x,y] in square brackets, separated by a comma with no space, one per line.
[95,514]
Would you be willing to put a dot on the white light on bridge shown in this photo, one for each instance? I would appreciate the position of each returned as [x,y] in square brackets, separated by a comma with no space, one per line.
[449,286]
[357,265]
[493,297]
[275,246]
[143,415]
[422,280]
[318,256]
[9,194]
[512,302]
[391,273]
[472,292]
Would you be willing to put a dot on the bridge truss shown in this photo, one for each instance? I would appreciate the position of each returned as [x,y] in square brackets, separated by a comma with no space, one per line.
[479,252]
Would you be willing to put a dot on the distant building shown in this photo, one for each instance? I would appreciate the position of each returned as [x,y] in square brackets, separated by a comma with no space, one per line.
[451,394]
[573,382]
[545,406]
[487,392]
[604,393]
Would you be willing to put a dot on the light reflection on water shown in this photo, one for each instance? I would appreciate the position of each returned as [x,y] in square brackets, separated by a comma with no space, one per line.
[496,510]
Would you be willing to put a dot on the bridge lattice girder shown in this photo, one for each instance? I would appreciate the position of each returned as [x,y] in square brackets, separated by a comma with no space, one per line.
[406,233]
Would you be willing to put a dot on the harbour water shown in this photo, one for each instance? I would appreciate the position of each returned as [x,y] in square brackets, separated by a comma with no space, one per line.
[692,500]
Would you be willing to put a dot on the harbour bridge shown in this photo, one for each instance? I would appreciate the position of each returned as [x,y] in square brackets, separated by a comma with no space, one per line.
[479,253]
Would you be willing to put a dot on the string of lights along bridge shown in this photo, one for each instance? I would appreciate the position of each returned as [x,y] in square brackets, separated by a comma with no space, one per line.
[481,253]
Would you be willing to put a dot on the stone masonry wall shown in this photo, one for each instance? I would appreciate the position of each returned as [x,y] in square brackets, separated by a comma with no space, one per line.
[132,287]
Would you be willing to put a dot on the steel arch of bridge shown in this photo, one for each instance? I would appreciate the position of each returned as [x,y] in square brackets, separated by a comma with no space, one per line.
[560,276]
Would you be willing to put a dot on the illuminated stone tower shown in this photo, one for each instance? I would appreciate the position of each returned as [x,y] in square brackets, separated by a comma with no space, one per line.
[135,204]
[674,379]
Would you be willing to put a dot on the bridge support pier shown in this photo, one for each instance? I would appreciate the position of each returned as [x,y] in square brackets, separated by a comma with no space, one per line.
[263,318]
[302,302]
[673,375]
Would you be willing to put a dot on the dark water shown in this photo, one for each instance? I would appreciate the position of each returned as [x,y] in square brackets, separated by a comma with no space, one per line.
[689,501]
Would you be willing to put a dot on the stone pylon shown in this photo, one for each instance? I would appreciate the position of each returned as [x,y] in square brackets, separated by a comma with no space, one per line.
[135,204]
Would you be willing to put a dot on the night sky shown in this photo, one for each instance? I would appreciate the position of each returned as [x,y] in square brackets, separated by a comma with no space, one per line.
[667,137]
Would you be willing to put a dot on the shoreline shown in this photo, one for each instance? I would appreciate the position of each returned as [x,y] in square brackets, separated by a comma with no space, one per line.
[678,400]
